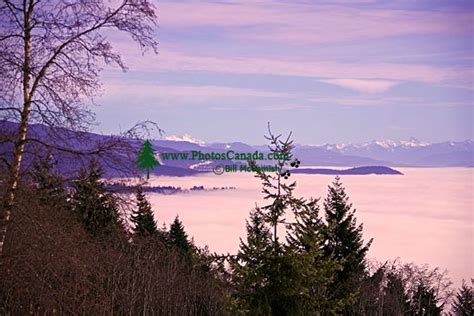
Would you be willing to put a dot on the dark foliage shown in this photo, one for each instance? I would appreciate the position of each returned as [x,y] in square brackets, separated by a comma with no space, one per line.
[425,302]
[178,237]
[250,269]
[142,217]
[343,241]
[463,304]
[96,208]
[50,184]
[55,266]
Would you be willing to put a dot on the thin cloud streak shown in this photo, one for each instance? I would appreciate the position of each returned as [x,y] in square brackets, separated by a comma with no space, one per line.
[153,90]
[179,62]
[309,23]
[364,86]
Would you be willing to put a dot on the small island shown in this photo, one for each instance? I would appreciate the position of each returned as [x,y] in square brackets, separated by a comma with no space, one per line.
[379,170]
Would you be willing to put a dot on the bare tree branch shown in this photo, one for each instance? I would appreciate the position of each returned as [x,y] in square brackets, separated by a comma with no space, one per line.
[52,52]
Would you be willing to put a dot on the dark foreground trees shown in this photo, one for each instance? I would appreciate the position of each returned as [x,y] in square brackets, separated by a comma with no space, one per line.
[321,268]
[344,242]
[318,270]
[463,304]
[51,57]
[66,259]
[96,208]
[142,217]
[70,253]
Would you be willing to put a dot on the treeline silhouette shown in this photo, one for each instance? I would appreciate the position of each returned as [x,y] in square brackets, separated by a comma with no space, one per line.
[120,187]
[72,249]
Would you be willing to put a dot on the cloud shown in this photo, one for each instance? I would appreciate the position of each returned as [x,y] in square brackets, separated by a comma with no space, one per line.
[382,101]
[280,107]
[171,60]
[271,21]
[257,22]
[365,86]
[153,90]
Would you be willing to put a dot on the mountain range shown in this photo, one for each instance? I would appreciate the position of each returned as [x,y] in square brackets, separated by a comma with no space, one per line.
[411,153]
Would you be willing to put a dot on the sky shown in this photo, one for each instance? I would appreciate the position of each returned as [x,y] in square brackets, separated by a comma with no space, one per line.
[340,71]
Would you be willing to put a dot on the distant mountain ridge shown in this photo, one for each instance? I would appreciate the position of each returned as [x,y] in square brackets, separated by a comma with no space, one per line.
[411,153]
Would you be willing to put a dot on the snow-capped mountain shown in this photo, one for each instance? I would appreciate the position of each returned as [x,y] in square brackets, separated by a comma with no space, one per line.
[411,152]
[389,145]
[375,153]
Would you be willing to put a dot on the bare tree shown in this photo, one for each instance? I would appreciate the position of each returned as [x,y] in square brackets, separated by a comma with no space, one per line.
[51,57]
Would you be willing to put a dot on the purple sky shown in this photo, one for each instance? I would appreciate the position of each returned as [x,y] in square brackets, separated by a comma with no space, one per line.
[330,71]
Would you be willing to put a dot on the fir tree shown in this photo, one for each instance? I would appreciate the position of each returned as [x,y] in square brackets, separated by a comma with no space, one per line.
[343,241]
[306,239]
[275,278]
[142,217]
[275,188]
[95,207]
[251,268]
[463,304]
[146,158]
[178,237]
[306,232]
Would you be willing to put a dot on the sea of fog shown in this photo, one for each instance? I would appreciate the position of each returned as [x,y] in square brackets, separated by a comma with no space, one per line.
[424,216]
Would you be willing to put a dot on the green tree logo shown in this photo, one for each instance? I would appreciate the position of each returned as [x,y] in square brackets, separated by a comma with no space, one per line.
[146,158]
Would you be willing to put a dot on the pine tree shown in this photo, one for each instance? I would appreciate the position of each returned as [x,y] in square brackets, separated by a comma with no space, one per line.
[178,237]
[95,207]
[463,304]
[142,217]
[146,158]
[343,241]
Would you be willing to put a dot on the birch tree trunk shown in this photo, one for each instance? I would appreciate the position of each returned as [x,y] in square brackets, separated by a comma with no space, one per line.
[14,172]
[50,51]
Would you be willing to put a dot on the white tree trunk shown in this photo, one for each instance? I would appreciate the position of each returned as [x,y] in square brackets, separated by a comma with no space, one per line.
[14,173]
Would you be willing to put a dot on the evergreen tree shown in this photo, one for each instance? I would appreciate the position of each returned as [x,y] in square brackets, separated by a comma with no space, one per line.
[142,217]
[178,237]
[251,268]
[146,158]
[306,239]
[343,241]
[463,304]
[306,232]
[95,207]
[276,189]
[50,185]
[274,278]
